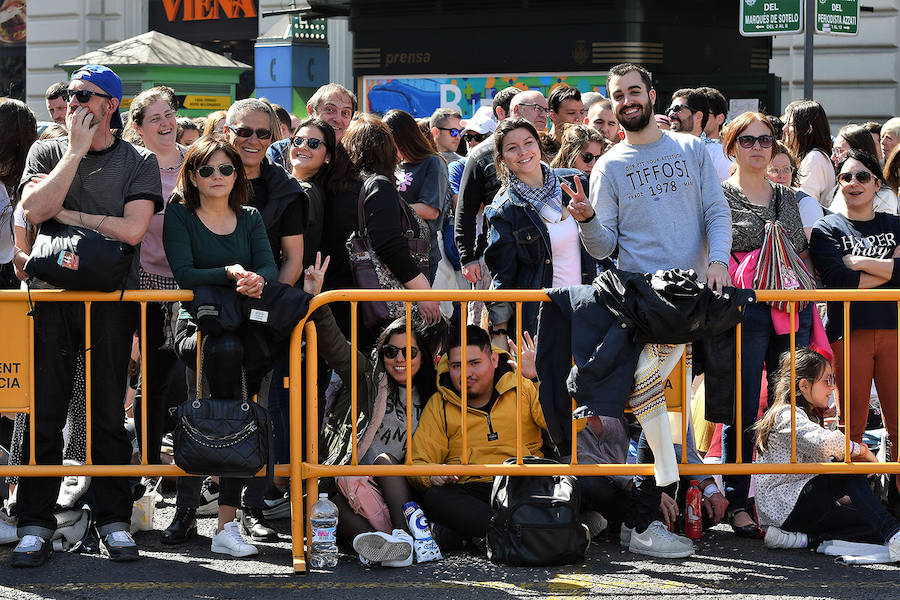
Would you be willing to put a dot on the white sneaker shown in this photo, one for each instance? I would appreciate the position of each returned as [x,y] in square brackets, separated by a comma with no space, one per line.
[595,522]
[8,533]
[659,542]
[230,541]
[778,538]
[380,547]
[894,548]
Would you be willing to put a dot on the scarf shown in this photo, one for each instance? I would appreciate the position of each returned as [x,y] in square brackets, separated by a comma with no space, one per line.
[547,199]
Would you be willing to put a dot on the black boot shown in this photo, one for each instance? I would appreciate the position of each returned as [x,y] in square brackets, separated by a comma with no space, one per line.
[182,528]
[256,526]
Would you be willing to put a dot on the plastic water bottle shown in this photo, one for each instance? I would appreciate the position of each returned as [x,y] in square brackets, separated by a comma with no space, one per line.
[693,524]
[323,520]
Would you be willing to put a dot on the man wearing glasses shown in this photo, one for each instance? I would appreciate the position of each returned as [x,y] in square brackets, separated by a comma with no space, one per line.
[689,113]
[95,180]
[446,131]
[531,106]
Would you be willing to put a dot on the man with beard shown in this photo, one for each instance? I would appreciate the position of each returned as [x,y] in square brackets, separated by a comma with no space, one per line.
[654,196]
[690,113]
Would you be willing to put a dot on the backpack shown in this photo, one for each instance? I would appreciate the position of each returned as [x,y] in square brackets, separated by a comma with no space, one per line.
[535,520]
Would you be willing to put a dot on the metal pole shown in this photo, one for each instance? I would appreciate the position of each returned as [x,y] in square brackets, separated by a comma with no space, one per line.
[808,32]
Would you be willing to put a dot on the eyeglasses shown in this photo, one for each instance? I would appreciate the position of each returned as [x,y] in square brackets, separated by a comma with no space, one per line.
[391,351]
[207,170]
[537,107]
[829,380]
[454,131]
[781,171]
[82,96]
[245,132]
[311,142]
[588,157]
[471,136]
[676,108]
[748,141]
[862,177]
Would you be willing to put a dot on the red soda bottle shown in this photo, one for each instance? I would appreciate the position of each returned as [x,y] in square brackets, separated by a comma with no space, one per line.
[693,518]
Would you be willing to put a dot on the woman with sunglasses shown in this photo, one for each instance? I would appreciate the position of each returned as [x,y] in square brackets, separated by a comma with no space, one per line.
[580,148]
[754,200]
[382,384]
[211,237]
[808,136]
[423,178]
[802,510]
[783,169]
[855,137]
[533,241]
[859,250]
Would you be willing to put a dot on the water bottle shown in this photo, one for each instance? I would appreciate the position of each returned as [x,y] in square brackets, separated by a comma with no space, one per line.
[323,520]
[693,518]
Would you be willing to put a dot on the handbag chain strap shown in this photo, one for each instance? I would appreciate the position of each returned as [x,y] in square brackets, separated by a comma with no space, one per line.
[196,404]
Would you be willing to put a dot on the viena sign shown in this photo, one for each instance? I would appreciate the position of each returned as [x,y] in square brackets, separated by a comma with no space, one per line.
[771,17]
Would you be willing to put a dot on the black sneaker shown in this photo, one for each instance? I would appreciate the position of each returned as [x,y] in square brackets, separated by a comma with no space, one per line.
[32,551]
[119,546]
[256,526]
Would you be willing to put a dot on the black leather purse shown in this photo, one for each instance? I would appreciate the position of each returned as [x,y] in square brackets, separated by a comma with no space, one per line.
[78,258]
[224,437]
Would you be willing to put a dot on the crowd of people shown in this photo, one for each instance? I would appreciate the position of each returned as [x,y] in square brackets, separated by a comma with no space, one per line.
[531,192]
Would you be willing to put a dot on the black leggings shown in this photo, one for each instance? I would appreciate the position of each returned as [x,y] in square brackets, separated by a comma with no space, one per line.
[464,508]
[818,514]
[396,493]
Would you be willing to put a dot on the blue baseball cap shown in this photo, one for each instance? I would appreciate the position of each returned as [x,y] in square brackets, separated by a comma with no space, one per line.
[105,79]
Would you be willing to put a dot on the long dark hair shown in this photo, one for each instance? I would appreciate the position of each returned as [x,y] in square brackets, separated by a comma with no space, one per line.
[338,175]
[199,153]
[371,146]
[868,161]
[892,169]
[505,127]
[19,127]
[810,129]
[858,138]
[425,380]
[410,140]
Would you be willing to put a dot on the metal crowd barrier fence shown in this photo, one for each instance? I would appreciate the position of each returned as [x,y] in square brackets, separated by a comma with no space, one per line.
[17,379]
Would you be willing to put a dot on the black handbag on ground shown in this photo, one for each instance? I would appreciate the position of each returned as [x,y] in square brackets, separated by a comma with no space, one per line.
[224,437]
[78,258]
[535,521]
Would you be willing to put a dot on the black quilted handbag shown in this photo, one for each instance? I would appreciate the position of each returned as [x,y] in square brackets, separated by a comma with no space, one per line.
[224,437]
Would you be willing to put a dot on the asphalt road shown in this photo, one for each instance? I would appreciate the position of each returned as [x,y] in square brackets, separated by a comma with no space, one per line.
[724,566]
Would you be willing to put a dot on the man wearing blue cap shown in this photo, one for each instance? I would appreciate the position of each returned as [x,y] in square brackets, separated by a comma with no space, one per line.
[91,179]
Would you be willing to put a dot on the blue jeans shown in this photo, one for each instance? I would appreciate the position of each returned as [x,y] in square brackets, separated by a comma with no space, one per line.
[760,347]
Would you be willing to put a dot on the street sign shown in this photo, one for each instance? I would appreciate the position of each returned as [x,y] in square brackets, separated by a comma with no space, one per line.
[772,17]
[837,17]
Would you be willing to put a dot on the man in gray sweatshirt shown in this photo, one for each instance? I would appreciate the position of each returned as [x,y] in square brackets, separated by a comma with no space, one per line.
[656,195]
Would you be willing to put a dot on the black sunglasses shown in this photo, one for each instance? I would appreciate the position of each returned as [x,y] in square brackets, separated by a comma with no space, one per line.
[207,170]
[391,351]
[245,132]
[454,131]
[862,177]
[747,141]
[475,137]
[83,96]
[588,157]
[675,108]
[311,142]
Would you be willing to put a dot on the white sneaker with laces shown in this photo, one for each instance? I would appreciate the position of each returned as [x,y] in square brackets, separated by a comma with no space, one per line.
[380,547]
[778,538]
[659,542]
[230,541]
[8,533]
[402,537]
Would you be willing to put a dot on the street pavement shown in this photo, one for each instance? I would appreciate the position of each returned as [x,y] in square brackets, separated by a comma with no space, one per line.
[723,566]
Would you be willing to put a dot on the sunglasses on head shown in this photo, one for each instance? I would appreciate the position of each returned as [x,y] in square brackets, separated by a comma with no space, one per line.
[83,96]
[391,351]
[245,132]
[748,141]
[588,157]
[862,177]
[207,170]
[471,136]
[311,142]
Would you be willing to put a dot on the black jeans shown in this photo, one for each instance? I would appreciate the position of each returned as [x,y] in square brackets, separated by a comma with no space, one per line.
[464,508]
[59,338]
[601,494]
[818,515]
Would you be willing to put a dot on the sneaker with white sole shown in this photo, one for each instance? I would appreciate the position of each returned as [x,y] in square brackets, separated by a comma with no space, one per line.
[209,499]
[594,521]
[659,542]
[278,508]
[32,551]
[894,549]
[380,547]
[119,546]
[786,540]
[8,533]
[402,537]
[230,541]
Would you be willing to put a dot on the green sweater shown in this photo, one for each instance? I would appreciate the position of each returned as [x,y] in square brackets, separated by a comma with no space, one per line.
[198,256]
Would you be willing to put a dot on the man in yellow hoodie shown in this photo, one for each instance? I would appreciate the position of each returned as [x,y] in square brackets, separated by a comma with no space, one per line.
[462,505]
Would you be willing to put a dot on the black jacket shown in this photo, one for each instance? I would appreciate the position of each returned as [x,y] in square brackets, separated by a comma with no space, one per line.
[478,187]
[604,326]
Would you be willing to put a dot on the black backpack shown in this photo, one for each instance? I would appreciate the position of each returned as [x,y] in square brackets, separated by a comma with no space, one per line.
[535,520]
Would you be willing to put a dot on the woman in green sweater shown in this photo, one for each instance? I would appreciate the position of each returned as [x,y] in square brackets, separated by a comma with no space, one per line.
[212,238]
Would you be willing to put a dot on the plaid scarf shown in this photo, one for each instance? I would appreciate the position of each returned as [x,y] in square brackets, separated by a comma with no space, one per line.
[547,199]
